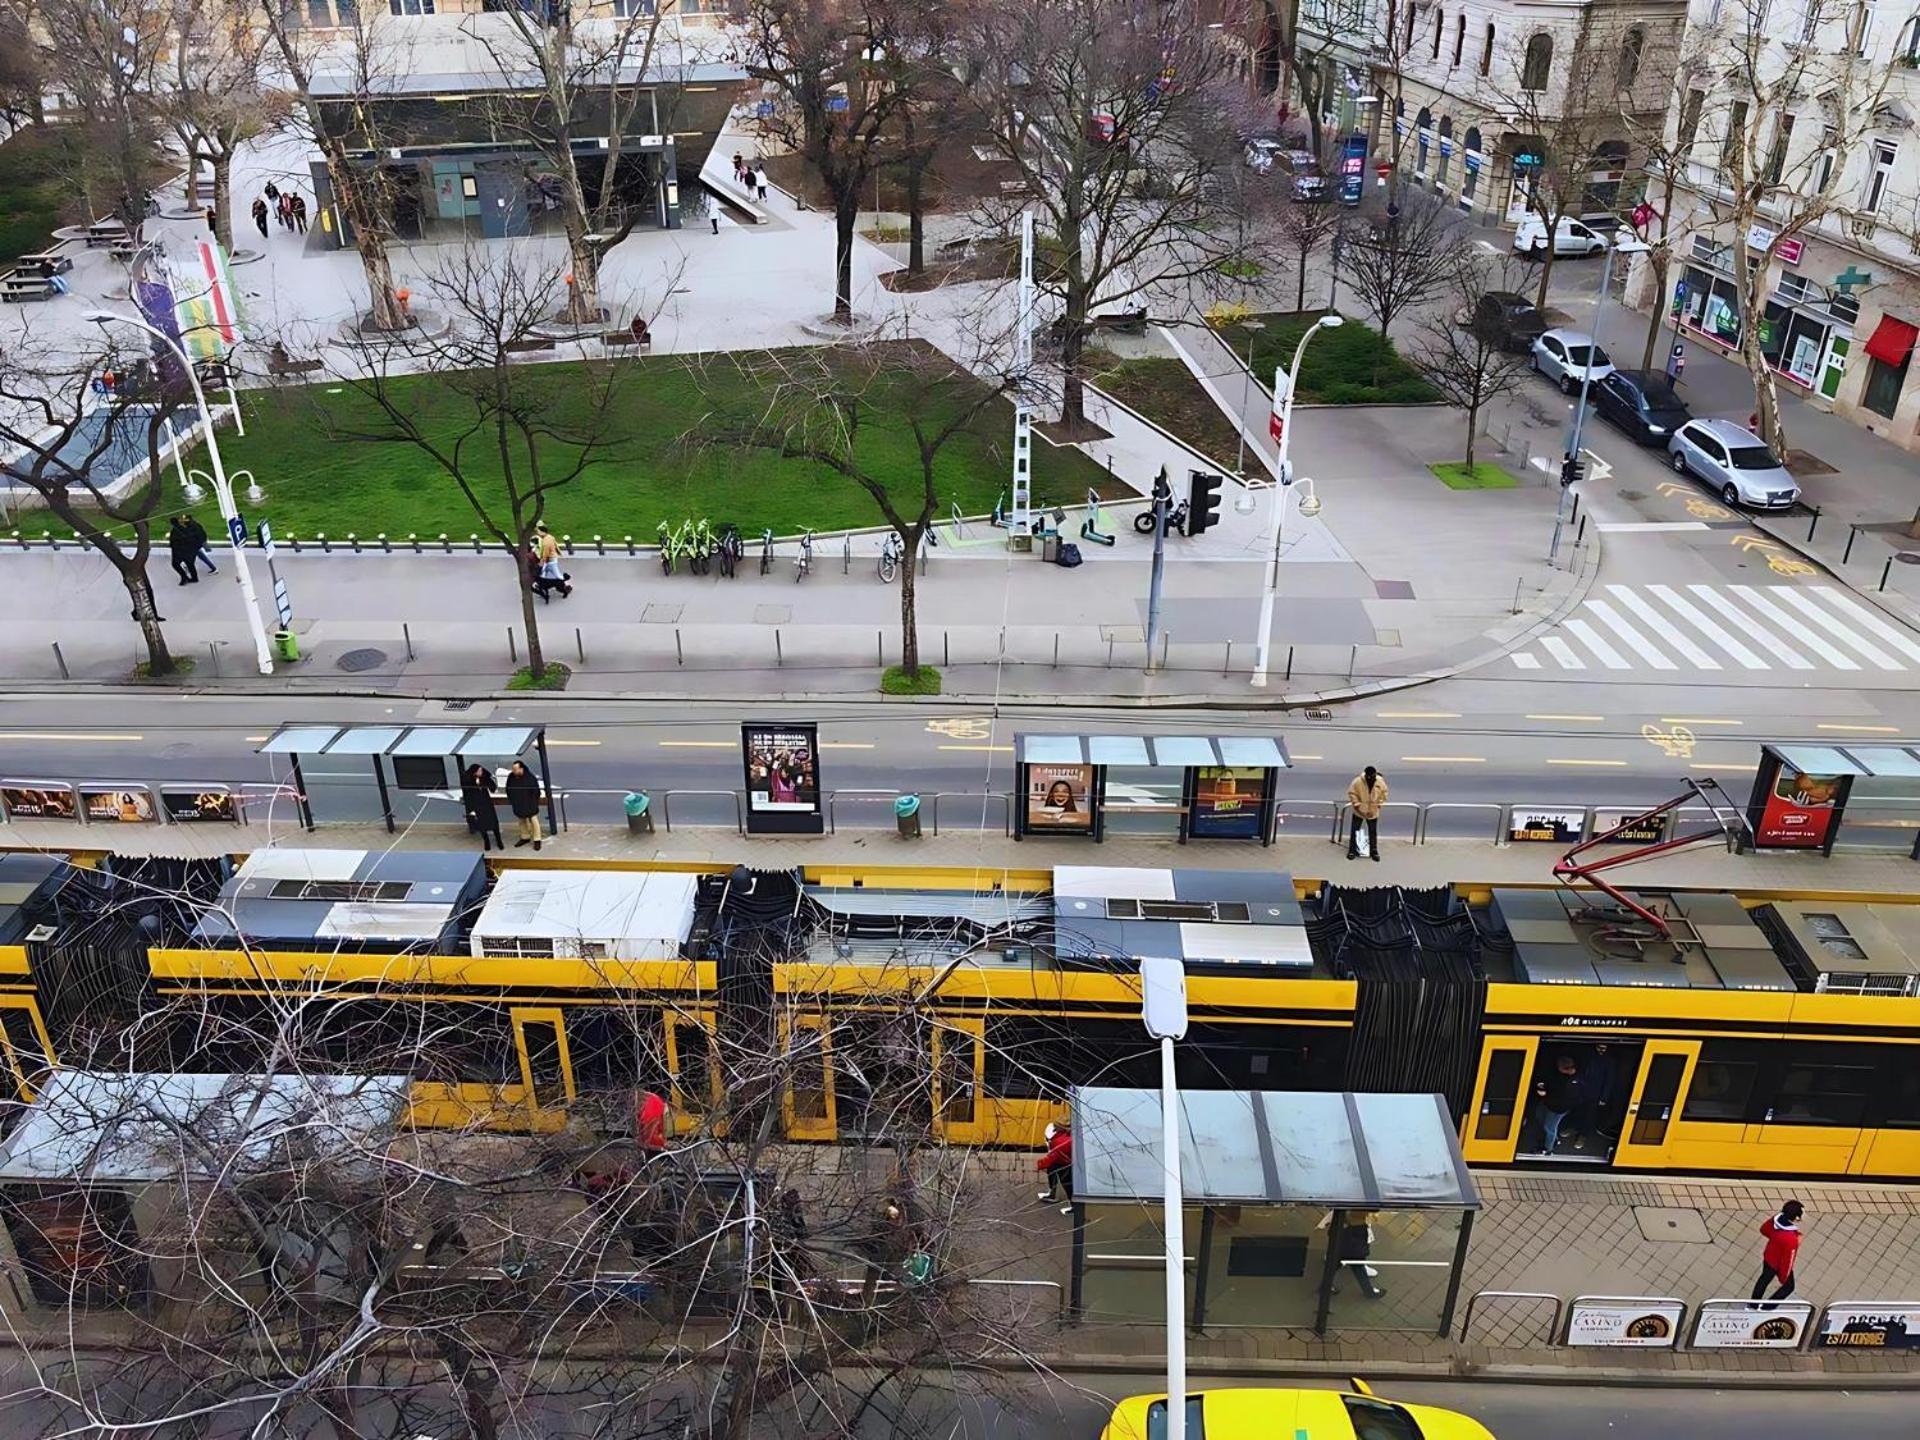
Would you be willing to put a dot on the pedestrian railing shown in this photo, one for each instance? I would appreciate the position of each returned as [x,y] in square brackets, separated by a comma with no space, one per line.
[733,796]
[1532,1298]
[986,799]
[1475,812]
[1407,810]
[836,798]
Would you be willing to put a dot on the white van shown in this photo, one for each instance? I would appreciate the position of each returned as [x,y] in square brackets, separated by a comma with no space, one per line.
[1570,237]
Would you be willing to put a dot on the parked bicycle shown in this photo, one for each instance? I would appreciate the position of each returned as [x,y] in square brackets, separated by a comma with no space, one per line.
[766,550]
[803,562]
[700,547]
[891,552]
[673,544]
[729,549]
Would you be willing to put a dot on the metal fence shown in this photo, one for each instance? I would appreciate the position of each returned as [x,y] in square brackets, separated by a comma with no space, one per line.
[1516,1318]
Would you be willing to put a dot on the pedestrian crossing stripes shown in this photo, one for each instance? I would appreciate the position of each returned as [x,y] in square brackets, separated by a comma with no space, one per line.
[1726,628]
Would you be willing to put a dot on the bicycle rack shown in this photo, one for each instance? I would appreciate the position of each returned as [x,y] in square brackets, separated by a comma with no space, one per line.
[958,537]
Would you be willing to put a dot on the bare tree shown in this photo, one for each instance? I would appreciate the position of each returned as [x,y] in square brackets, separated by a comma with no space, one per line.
[1465,358]
[832,66]
[1304,229]
[360,190]
[106,55]
[1117,119]
[69,446]
[504,434]
[1400,260]
[23,72]
[215,96]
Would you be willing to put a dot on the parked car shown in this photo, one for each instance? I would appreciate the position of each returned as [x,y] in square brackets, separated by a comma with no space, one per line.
[1733,462]
[1507,319]
[1570,237]
[1642,403]
[1305,178]
[1561,356]
[1263,151]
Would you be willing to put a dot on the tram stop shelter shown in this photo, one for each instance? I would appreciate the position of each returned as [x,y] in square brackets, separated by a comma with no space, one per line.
[1184,787]
[402,774]
[1801,793]
[1305,1210]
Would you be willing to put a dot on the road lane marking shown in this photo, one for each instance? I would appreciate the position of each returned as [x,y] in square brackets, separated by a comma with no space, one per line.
[697,744]
[1701,766]
[99,737]
[1664,627]
[1838,659]
[1588,636]
[1296,755]
[1875,655]
[1793,659]
[1685,610]
[1619,763]
[1639,643]
[256,739]
[1443,759]
[1862,729]
[1647,527]
[996,748]
[1562,652]
[1596,719]
[551,742]
[1524,661]
[1865,618]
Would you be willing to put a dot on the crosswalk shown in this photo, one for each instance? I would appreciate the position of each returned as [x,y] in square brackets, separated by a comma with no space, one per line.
[1729,628]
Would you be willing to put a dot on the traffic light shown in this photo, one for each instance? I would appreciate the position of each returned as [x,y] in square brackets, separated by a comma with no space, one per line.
[1203,502]
[1572,471]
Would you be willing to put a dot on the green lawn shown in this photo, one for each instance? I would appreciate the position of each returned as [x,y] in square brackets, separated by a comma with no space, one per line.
[1483,476]
[1353,365]
[1165,391]
[319,479]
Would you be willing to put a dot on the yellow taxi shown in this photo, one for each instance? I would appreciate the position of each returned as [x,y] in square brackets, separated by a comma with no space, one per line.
[1356,1414]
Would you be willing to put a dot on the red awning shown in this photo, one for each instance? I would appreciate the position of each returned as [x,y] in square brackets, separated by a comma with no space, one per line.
[1893,341]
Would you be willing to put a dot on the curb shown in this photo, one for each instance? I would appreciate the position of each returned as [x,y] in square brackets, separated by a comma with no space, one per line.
[1764,524]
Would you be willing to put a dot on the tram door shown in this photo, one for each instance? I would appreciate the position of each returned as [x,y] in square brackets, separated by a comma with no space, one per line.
[959,1075]
[1660,1089]
[693,1059]
[540,1040]
[25,1051]
[1492,1128]
[809,1111]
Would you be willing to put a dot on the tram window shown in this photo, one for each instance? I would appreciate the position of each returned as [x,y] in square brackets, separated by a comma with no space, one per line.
[1900,1086]
[472,1043]
[544,1062]
[807,1062]
[693,1048]
[1822,1085]
[607,1045]
[1023,1059]
[1723,1081]
[1495,1121]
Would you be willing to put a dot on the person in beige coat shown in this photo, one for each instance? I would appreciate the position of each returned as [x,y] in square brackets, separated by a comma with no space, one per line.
[1365,796]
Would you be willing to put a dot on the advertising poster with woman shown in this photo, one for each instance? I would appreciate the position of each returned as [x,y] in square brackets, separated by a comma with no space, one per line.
[116,806]
[1060,798]
[783,775]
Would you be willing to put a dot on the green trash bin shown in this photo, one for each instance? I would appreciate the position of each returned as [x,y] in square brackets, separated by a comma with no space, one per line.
[639,806]
[286,646]
[906,816]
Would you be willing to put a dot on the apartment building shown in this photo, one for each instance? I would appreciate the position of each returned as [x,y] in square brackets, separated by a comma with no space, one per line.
[1817,100]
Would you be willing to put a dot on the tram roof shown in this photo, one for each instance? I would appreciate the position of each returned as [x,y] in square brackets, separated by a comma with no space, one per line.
[1273,1147]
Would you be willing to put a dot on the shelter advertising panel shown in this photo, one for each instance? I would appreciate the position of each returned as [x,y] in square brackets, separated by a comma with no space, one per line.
[117,804]
[1060,799]
[1781,1325]
[1558,827]
[1227,802]
[190,805]
[783,779]
[1870,1327]
[1646,832]
[1628,1323]
[1793,810]
[28,800]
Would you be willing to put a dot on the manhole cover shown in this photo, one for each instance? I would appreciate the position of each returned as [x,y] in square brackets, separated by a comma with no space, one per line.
[1673,1224]
[1908,557]
[357,660]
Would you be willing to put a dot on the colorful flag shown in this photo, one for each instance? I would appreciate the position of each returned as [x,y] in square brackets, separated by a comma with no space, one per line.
[204,307]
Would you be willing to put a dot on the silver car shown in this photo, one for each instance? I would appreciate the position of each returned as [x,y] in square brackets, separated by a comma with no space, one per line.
[1734,463]
[1561,355]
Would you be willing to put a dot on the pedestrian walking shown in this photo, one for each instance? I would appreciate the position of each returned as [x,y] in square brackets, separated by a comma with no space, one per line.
[713,215]
[181,550]
[300,213]
[552,575]
[650,1122]
[1057,1165]
[523,795]
[286,211]
[758,179]
[213,220]
[1352,1247]
[1554,1098]
[1365,796]
[202,550]
[260,216]
[477,789]
[1783,1248]
[739,169]
[273,193]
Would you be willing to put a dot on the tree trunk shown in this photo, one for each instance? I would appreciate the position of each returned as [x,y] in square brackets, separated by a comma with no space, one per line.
[909,626]
[1300,300]
[916,218]
[192,185]
[1659,315]
[1546,270]
[583,295]
[223,199]
[146,613]
[1473,429]
[369,236]
[536,658]
[846,213]
[475,1385]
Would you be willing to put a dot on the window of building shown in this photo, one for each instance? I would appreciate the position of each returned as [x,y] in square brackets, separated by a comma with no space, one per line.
[1690,113]
[1486,52]
[1810,21]
[1881,176]
[1413,16]
[1823,162]
[1736,138]
[1630,51]
[1459,35]
[1777,157]
[410,7]
[1906,49]
[1860,28]
[633,8]
[1533,75]
[1439,21]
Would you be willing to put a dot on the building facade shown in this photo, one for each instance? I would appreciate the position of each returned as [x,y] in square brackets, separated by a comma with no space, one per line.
[1830,124]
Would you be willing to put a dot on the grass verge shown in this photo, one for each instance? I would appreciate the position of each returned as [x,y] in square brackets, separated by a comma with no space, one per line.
[895,681]
[555,679]
[1482,476]
[1164,390]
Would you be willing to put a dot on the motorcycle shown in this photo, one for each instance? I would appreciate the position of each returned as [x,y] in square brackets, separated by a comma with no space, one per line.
[1176,519]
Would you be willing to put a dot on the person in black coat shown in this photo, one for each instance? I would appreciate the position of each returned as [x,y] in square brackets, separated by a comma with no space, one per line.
[201,545]
[181,550]
[476,798]
[523,794]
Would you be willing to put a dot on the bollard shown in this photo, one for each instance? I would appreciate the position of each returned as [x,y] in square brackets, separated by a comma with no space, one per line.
[1003,642]
[382,538]
[1289,674]
[1109,652]
[53,540]
[1353,656]
[406,633]
[580,644]
[446,544]
[1581,538]
[1165,640]
[213,654]
[1056,649]
[599,546]
[354,541]
[629,540]
[21,541]
[476,543]
[679,655]
[779,655]
[416,541]
[566,543]
[1227,669]
[326,547]
[879,651]
[1886,570]
[294,540]
[1516,596]
[1576,505]
[1813,524]
[61,661]
[513,652]
[1853,533]
[846,555]
[945,658]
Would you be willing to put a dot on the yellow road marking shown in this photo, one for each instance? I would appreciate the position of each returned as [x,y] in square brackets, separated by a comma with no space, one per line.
[1863,729]
[1753,542]
[1007,748]
[1697,720]
[1294,754]
[255,739]
[99,736]
[1587,762]
[1443,759]
[1416,715]
[1595,718]
[572,742]
[697,744]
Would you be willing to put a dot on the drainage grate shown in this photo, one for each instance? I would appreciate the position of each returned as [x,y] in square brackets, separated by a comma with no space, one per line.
[456,704]
[356,660]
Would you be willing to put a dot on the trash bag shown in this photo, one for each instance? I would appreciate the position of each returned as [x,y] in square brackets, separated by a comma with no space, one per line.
[1069,556]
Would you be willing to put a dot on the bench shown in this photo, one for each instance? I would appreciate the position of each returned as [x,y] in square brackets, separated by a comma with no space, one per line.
[532,345]
[277,365]
[61,263]
[625,337]
[104,233]
[16,287]
[123,251]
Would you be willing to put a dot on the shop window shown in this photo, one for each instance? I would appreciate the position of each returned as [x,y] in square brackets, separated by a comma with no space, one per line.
[1723,1081]
[1486,51]
[1630,52]
[1539,63]
[1884,384]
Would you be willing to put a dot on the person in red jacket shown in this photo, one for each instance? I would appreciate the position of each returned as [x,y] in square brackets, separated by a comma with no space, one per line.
[1783,1246]
[1057,1165]
[650,1123]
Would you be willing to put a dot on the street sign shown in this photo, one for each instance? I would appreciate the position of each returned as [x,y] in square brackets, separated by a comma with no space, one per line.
[265,533]
[1790,251]
[237,530]
[283,603]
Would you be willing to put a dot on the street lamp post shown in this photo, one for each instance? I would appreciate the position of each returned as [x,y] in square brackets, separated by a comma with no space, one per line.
[1283,433]
[1246,397]
[1567,465]
[1163,1009]
[223,491]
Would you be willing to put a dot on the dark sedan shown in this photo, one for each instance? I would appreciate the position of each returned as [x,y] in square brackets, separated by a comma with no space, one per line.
[1507,320]
[1642,403]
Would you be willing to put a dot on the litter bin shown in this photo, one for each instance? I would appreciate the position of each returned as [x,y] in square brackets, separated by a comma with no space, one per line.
[906,815]
[1050,547]
[639,812]
[285,645]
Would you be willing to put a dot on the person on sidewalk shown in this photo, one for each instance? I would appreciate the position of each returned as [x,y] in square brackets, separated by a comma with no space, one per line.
[1783,1248]
[1057,1165]
[1365,796]
[299,213]
[650,1123]
[551,572]
[202,550]
[181,550]
[477,790]
[523,794]
[1352,1247]
[260,215]
[760,181]
[272,193]
[1554,1098]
